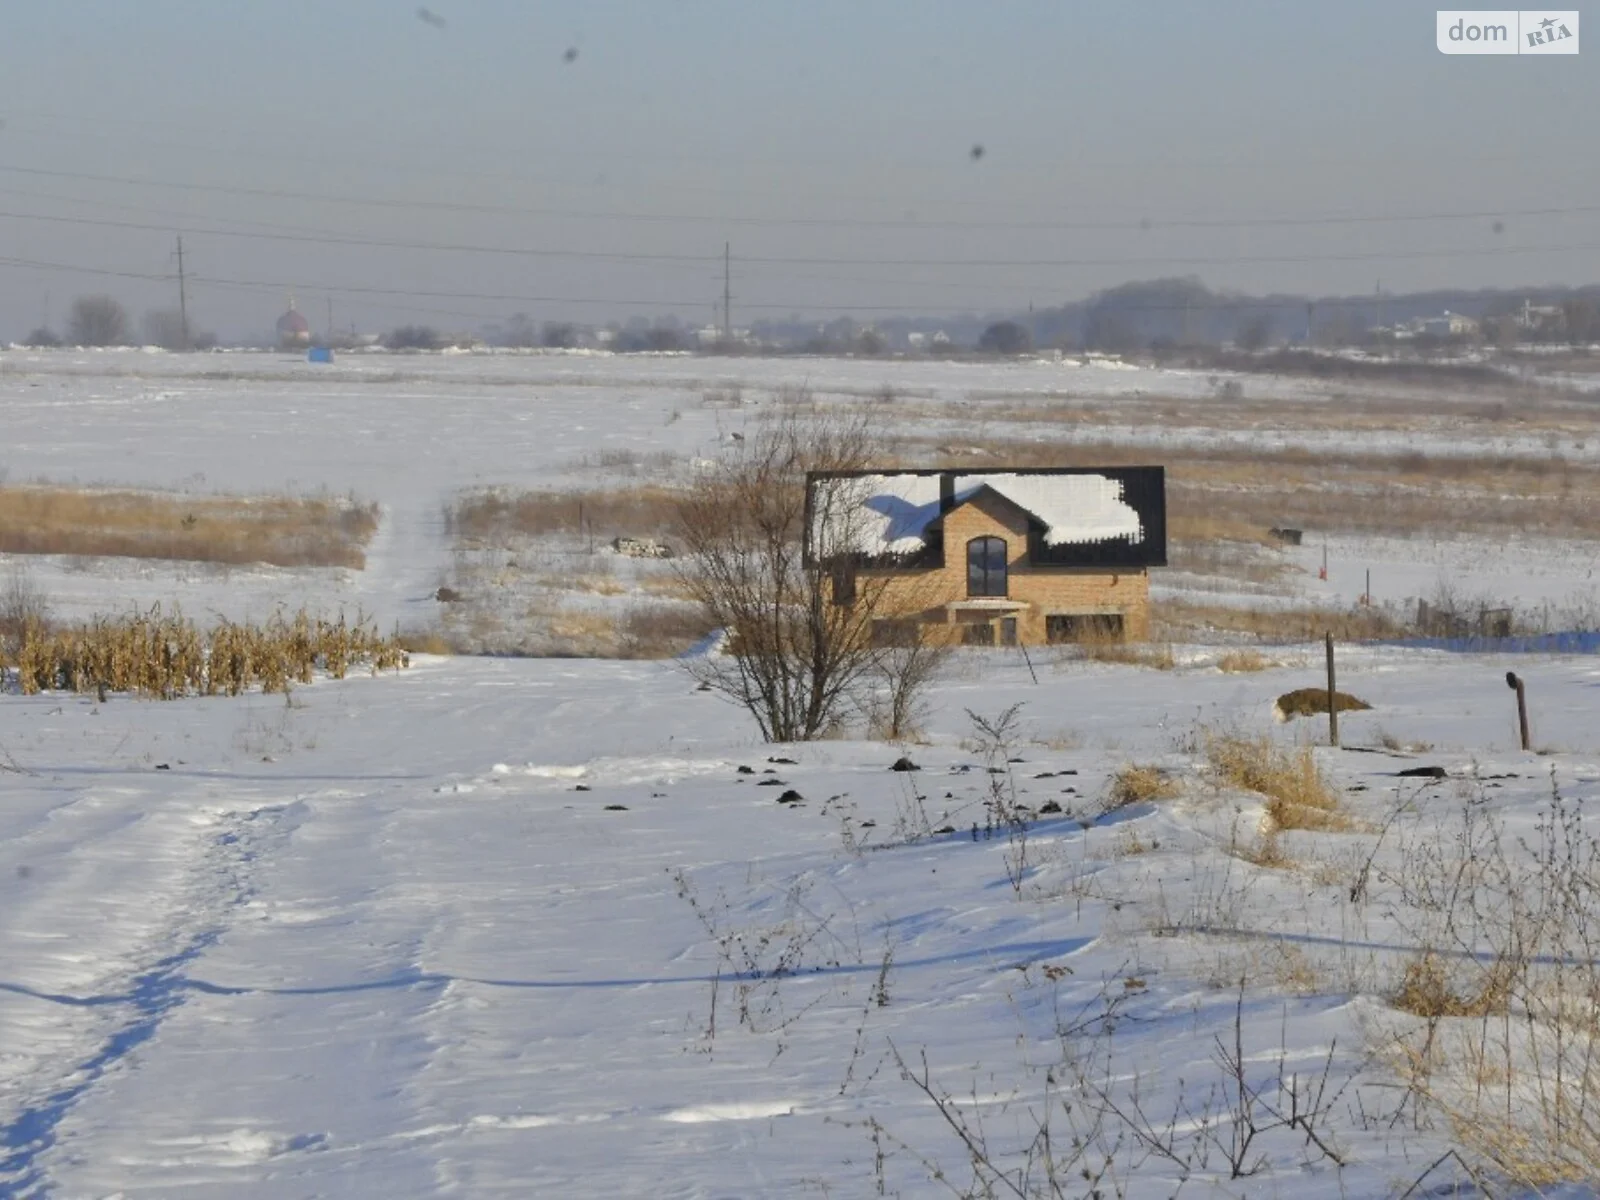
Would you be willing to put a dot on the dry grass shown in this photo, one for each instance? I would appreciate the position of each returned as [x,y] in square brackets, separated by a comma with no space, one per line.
[1155,656]
[1186,621]
[425,641]
[1241,662]
[167,656]
[1139,784]
[1246,489]
[549,628]
[1428,988]
[603,514]
[282,530]
[1298,796]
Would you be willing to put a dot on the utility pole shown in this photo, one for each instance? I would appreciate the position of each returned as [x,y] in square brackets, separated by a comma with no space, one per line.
[330,321]
[183,301]
[727,293]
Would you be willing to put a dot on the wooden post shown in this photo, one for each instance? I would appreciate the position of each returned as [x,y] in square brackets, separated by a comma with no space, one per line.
[1514,681]
[1333,705]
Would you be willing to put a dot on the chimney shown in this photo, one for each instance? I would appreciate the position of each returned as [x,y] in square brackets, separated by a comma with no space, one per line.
[947,491]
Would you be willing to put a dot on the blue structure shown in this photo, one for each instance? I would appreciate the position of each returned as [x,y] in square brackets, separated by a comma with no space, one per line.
[320,354]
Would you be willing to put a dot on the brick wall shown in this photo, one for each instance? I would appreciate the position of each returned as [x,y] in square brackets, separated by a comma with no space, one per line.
[1035,593]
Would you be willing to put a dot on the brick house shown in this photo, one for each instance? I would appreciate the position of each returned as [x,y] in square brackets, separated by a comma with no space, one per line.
[1031,556]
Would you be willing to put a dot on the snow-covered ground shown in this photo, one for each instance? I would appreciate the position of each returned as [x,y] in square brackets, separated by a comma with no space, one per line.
[523,927]
[393,938]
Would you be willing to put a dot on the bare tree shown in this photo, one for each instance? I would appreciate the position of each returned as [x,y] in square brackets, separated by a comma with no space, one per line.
[165,327]
[797,626]
[1005,337]
[905,668]
[97,321]
[1254,334]
[413,337]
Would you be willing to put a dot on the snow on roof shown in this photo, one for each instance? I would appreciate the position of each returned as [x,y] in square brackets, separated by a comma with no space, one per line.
[875,514]
[890,514]
[1073,508]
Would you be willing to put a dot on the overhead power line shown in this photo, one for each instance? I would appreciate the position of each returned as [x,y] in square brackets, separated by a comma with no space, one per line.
[589,214]
[389,294]
[1157,261]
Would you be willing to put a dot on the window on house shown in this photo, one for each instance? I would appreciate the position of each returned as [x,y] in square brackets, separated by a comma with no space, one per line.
[844,583]
[1008,631]
[1083,627]
[977,633]
[986,567]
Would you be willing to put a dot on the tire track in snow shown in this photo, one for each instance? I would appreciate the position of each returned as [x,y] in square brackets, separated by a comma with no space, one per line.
[153,994]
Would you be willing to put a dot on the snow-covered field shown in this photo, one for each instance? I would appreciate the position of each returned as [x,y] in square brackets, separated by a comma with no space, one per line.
[414,432]
[393,939]
[523,927]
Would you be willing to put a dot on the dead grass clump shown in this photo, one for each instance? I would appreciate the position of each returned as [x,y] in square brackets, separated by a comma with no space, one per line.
[1157,657]
[1429,989]
[617,512]
[1266,850]
[425,641]
[1139,784]
[1297,794]
[284,531]
[164,657]
[1239,662]
[1312,702]
[1129,844]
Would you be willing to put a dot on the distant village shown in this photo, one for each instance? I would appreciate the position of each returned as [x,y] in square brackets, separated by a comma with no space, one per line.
[1153,318]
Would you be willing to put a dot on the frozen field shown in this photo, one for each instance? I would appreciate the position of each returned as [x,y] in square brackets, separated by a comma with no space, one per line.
[412,432]
[524,928]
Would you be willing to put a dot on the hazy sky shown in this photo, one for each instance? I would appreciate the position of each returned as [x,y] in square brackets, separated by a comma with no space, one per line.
[474,162]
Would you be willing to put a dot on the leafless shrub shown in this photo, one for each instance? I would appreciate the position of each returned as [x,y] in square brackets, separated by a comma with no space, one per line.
[794,658]
[755,962]
[1074,1126]
[905,671]
[23,606]
[1505,983]
[97,321]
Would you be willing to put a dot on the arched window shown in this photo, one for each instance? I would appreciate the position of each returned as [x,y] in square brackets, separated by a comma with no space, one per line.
[986,567]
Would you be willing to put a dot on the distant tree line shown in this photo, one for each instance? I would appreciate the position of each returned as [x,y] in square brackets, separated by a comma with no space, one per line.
[1159,317]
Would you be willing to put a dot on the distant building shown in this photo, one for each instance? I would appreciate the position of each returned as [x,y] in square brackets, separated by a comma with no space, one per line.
[1546,318]
[1447,324]
[1029,556]
[294,331]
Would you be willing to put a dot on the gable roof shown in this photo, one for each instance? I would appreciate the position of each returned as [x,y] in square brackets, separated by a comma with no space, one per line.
[1078,516]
